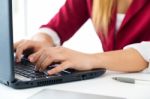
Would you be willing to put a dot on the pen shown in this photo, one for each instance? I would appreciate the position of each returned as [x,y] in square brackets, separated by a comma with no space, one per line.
[131,80]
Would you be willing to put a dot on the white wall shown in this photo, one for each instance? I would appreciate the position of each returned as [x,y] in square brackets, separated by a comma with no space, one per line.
[19,19]
[40,12]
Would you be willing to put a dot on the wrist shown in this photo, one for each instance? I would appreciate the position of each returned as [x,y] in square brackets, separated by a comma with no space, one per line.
[43,37]
[97,61]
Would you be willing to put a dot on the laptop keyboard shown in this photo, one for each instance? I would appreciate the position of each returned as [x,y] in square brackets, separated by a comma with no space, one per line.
[27,69]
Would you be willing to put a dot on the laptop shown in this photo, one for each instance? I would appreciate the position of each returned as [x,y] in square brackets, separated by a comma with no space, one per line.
[61,94]
[22,75]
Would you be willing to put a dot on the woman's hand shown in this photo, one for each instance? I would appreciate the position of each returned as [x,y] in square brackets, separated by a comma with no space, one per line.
[66,57]
[38,42]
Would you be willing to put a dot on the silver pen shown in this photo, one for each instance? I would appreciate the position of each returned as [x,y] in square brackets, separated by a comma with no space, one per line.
[131,80]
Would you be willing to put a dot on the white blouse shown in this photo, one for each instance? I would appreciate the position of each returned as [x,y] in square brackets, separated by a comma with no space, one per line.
[120,18]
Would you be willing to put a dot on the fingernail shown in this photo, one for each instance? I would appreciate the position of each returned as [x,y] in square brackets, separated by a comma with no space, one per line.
[40,70]
[35,68]
[49,72]
[17,60]
[31,59]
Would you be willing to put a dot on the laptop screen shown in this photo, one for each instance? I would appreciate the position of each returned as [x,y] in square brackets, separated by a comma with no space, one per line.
[6,41]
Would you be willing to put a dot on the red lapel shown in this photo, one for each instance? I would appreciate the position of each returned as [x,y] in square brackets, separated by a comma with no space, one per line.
[131,12]
[111,39]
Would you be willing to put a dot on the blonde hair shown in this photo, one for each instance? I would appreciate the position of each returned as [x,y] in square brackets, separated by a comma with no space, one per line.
[101,14]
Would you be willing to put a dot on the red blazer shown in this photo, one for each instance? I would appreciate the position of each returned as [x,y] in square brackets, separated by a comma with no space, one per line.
[134,29]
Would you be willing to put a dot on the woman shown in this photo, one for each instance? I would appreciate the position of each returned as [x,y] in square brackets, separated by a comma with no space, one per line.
[118,23]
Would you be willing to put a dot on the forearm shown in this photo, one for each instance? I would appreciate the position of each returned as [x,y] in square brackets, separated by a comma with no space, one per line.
[128,60]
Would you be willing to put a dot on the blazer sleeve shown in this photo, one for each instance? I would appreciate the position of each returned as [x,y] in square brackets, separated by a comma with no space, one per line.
[71,16]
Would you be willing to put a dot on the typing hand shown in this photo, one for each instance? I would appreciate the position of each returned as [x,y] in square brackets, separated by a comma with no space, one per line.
[27,47]
[67,58]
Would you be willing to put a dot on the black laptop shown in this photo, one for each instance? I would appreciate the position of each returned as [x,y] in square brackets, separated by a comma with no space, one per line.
[22,75]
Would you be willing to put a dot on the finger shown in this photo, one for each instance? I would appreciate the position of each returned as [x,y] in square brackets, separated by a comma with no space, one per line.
[59,68]
[34,57]
[16,44]
[19,51]
[21,48]
[40,61]
[46,63]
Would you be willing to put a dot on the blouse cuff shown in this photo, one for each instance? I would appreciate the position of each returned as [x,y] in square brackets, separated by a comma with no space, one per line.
[52,34]
[143,48]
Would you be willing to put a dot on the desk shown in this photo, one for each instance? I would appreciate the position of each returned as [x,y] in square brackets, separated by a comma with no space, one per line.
[103,85]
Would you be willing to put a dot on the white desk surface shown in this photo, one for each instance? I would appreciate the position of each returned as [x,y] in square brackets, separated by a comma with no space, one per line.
[103,85]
